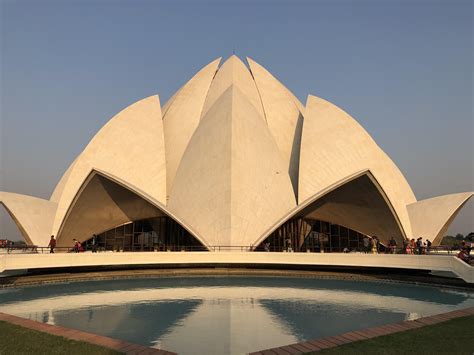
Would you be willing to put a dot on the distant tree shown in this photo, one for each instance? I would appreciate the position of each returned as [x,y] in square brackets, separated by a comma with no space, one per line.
[470,237]
[449,240]
[459,236]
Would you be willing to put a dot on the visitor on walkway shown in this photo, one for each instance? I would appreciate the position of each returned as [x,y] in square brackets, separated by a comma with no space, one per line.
[94,243]
[377,244]
[374,245]
[419,245]
[392,244]
[411,246]
[465,254]
[77,246]
[52,244]
[428,246]
[266,246]
[366,244]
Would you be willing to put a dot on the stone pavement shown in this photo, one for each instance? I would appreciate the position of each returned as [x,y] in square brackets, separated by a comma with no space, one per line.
[73,334]
[333,341]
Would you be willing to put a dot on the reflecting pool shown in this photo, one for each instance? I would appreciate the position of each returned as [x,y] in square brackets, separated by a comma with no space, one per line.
[227,315]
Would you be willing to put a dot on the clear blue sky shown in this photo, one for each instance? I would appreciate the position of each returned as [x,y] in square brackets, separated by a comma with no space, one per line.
[403,69]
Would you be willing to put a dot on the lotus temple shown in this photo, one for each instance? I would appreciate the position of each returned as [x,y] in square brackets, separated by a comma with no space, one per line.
[232,161]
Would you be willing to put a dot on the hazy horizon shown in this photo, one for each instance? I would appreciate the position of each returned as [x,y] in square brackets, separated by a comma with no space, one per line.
[402,69]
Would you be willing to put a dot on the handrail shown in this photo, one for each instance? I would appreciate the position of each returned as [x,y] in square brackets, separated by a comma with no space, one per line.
[34,249]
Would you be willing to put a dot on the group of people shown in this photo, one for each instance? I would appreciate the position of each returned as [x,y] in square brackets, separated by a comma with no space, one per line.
[371,245]
[77,247]
[5,243]
[419,247]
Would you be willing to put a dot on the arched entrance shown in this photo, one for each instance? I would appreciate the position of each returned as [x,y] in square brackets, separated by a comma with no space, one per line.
[151,234]
[312,235]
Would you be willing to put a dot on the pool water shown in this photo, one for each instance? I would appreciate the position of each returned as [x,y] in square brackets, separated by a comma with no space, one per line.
[227,315]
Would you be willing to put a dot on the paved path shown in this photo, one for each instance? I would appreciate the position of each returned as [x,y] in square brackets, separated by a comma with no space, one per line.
[73,334]
[380,262]
[331,342]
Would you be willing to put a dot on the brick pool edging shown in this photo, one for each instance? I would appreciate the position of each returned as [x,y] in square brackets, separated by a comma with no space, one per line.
[292,349]
[78,335]
[333,341]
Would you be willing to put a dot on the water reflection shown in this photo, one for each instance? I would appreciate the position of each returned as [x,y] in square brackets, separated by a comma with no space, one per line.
[218,315]
[126,320]
[318,320]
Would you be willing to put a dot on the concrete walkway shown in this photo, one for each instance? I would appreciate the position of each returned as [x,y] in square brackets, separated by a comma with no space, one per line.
[331,342]
[12,262]
[73,334]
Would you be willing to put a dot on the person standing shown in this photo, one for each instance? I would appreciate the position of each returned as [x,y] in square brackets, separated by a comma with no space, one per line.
[405,247]
[393,245]
[94,243]
[419,245]
[374,245]
[52,244]
[76,245]
[266,246]
[366,244]
[428,246]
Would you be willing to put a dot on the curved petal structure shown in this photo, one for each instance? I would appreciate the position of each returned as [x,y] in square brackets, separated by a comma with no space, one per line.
[284,119]
[33,216]
[182,117]
[234,72]
[334,145]
[58,190]
[130,145]
[431,218]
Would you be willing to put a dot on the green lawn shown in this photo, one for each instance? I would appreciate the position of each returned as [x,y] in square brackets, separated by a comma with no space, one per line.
[452,337]
[18,340]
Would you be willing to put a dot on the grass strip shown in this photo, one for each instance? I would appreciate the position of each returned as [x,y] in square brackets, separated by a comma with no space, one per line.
[451,337]
[19,340]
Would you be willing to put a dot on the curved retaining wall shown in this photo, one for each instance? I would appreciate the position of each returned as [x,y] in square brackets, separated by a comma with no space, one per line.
[452,264]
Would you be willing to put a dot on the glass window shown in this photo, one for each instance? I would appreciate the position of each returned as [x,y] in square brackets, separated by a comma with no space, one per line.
[119,231]
[128,229]
[325,227]
[317,226]
[344,232]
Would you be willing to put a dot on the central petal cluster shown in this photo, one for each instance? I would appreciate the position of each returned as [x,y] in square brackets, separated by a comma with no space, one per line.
[232,182]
